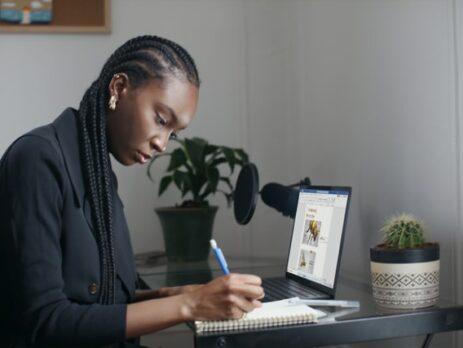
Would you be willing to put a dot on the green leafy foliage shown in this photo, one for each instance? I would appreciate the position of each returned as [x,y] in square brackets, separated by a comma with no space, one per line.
[403,231]
[196,169]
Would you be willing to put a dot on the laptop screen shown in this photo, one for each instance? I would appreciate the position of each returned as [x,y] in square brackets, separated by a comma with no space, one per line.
[317,234]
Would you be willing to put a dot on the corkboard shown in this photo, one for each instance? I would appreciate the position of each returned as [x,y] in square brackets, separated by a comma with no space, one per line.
[70,16]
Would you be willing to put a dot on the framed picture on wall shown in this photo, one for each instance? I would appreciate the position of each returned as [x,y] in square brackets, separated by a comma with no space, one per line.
[55,16]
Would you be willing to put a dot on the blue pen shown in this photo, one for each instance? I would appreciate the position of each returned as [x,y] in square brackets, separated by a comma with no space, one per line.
[220,257]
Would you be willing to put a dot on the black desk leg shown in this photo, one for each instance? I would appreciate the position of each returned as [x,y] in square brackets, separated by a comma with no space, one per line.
[427,340]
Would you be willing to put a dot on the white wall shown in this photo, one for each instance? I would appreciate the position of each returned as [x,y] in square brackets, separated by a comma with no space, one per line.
[377,94]
[360,93]
[272,114]
[378,100]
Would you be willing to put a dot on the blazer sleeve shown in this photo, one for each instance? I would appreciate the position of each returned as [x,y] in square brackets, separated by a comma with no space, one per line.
[36,175]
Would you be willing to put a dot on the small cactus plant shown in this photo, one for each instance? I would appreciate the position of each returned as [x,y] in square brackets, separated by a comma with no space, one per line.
[403,231]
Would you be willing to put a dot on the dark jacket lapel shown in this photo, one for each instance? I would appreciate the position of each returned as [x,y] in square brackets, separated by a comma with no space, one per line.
[67,133]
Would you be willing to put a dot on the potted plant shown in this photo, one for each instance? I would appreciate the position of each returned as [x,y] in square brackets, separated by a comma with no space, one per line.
[196,169]
[405,268]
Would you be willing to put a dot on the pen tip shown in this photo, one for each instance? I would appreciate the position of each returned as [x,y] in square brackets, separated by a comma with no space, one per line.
[213,243]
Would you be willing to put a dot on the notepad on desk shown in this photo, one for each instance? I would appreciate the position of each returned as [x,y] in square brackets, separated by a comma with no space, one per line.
[276,313]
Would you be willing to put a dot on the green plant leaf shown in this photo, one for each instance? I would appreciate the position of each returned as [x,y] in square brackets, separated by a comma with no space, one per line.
[210,149]
[148,169]
[177,159]
[197,181]
[216,162]
[213,178]
[199,140]
[178,140]
[227,181]
[229,156]
[164,184]
[186,185]
[243,156]
[181,180]
[195,152]
[195,168]
[203,196]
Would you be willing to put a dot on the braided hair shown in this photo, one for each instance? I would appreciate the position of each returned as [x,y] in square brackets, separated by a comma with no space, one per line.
[143,58]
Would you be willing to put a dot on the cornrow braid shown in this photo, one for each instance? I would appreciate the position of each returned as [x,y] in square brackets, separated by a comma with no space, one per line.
[142,59]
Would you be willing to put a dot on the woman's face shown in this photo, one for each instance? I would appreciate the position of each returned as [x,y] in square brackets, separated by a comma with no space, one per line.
[146,117]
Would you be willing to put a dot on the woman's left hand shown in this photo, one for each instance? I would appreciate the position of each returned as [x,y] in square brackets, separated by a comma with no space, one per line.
[188,288]
[177,290]
[143,295]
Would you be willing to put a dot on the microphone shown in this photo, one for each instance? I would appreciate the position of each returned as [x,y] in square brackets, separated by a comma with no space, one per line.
[280,197]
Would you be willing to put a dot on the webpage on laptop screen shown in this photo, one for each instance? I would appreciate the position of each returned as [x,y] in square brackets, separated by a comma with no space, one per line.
[317,235]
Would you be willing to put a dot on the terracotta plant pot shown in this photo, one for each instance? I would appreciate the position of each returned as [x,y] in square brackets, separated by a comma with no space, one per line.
[187,232]
[405,278]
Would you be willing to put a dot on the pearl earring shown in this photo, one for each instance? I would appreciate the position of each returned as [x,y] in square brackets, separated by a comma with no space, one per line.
[112,102]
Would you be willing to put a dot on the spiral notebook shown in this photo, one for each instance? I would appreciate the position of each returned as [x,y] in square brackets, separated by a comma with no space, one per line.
[276,313]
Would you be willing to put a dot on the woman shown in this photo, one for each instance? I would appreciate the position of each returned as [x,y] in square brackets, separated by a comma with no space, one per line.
[66,260]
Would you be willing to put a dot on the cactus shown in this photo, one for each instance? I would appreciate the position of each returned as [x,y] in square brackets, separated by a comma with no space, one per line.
[403,231]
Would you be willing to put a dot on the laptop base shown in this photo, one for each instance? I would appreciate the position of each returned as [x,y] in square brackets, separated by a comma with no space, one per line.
[279,288]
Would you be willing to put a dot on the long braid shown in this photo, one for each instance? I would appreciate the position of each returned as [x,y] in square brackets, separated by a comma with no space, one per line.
[93,175]
[142,59]
[108,211]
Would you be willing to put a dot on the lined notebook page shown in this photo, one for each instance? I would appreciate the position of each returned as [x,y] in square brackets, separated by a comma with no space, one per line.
[276,313]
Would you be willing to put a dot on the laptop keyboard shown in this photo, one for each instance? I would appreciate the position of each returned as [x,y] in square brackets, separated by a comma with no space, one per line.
[281,288]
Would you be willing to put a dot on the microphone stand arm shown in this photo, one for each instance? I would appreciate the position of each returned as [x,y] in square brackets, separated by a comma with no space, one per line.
[303,182]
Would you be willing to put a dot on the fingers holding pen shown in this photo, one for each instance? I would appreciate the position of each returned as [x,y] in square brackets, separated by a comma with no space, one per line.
[244,278]
[226,297]
[240,294]
[243,290]
[244,285]
[236,306]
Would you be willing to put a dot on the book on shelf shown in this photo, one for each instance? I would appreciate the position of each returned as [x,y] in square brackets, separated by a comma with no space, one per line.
[271,314]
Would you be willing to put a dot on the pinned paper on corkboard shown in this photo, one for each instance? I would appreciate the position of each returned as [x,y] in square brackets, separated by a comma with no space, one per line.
[55,16]
[26,11]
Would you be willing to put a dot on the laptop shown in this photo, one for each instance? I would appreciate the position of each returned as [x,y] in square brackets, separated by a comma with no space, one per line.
[316,244]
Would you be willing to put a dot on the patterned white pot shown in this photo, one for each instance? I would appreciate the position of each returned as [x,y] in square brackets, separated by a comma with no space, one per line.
[405,281]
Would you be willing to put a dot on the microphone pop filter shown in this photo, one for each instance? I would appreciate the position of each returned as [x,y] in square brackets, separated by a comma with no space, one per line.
[245,194]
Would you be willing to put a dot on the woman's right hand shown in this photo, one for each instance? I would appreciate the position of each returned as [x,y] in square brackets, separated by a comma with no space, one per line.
[226,297]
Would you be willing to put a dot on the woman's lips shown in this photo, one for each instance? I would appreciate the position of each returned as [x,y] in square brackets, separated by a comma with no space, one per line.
[142,158]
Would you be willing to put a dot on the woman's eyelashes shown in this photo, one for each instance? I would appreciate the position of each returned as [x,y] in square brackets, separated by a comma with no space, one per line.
[163,122]
[160,120]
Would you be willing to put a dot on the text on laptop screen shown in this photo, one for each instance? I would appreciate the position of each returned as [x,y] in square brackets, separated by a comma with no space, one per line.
[317,233]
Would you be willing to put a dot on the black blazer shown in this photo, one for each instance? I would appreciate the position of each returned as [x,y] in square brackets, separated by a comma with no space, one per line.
[49,259]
